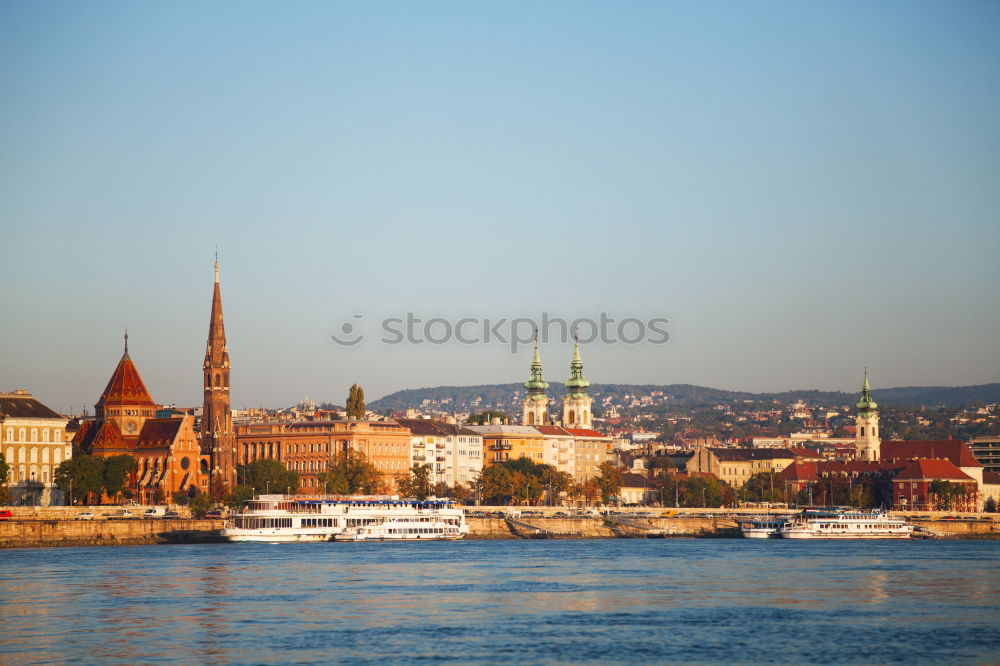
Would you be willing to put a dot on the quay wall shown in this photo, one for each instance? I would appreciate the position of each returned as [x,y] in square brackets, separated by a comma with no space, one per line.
[36,533]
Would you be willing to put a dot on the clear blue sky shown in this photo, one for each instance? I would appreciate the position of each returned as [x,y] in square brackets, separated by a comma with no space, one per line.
[803,188]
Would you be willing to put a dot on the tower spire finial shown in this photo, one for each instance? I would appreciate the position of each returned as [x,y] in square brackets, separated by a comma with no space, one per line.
[216,263]
[126,339]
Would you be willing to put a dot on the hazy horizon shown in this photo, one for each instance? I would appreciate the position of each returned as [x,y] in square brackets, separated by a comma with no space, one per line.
[800,189]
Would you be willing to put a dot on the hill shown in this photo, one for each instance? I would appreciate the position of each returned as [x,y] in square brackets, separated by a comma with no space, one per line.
[463,398]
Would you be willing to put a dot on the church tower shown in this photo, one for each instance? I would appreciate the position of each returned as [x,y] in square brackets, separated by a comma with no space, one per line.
[576,404]
[536,403]
[217,437]
[125,401]
[867,444]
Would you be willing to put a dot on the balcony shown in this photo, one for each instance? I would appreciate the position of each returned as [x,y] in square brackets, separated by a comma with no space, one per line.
[440,458]
[500,447]
[419,456]
[418,445]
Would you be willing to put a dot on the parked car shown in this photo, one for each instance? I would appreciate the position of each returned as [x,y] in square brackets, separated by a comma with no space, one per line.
[6,515]
[124,514]
[85,515]
[214,514]
[171,514]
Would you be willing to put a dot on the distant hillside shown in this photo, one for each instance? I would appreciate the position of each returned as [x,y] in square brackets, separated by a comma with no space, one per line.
[462,398]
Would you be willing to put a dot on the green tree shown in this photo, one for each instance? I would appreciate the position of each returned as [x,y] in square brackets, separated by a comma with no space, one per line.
[609,480]
[460,493]
[268,476]
[763,487]
[179,497]
[4,470]
[352,473]
[200,504]
[990,505]
[82,477]
[702,491]
[238,496]
[116,473]
[418,484]
[356,403]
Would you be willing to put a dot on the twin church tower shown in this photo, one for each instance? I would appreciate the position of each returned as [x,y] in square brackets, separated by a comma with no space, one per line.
[576,405]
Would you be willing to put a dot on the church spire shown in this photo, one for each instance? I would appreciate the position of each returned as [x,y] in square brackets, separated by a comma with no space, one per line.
[577,383]
[536,404]
[216,415]
[866,404]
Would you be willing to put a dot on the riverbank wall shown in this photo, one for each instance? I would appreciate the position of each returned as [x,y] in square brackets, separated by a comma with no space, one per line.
[40,526]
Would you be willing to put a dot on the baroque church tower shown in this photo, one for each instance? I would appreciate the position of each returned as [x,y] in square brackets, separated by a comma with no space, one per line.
[576,404]
[867,444]
[217,437]
[536,403]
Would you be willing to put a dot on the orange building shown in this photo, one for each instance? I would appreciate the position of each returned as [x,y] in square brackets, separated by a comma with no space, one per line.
[168,456]
[308,447]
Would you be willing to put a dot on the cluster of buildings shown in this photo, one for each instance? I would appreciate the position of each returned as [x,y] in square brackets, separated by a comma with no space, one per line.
[909,468]
[184,451]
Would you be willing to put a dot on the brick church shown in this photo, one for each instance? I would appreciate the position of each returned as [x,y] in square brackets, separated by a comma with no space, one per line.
[170,454]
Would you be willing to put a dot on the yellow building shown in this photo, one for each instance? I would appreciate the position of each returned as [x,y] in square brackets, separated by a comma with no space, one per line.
[735,466]
[510,442]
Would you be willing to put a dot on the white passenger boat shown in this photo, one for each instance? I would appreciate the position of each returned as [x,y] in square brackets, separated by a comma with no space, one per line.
[436,528]
[838,523]
[277,518]
[762,527]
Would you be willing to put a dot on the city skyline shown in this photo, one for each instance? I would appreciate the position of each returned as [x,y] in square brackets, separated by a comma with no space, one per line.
[801,191]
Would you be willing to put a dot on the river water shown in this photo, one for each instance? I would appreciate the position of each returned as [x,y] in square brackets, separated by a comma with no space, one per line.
[587,601]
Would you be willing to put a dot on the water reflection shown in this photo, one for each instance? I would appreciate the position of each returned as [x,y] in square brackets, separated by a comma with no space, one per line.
[555,602]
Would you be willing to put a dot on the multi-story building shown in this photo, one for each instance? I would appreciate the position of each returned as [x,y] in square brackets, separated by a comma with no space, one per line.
[455,453]
[591,449]
[510,442]
[913,487]
[735,466]
[308,447]
[987,452]
[33,444]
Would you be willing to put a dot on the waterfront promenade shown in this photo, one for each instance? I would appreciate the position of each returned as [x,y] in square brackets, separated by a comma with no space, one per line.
[57,526]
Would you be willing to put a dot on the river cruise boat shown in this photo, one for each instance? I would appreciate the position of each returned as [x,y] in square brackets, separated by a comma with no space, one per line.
[840,523]
[426,528]
[762,527]
[277,518]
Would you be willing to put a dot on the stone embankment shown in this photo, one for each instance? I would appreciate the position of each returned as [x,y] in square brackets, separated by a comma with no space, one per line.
[20,533]
[57,526]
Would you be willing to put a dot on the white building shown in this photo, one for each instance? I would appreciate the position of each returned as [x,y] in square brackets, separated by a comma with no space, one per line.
[455,453]
[33,443]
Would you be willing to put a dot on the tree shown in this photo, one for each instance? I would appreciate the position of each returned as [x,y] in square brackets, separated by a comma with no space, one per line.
[159,496]
[418,484]
[609,480]
[238,496]
[200,504]
[4,470]
[351,473]
[763,487]
[219,488]
[990,505]
[82,476]
[460,493]
[356,403]
[268,476]
[116,473]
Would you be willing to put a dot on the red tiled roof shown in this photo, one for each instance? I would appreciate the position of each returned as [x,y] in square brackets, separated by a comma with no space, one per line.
[951,449]
[803,452]
[925,470]
[800,471]
[158,433]
[584,432]
[108,438]
[552,430]
[125,387]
